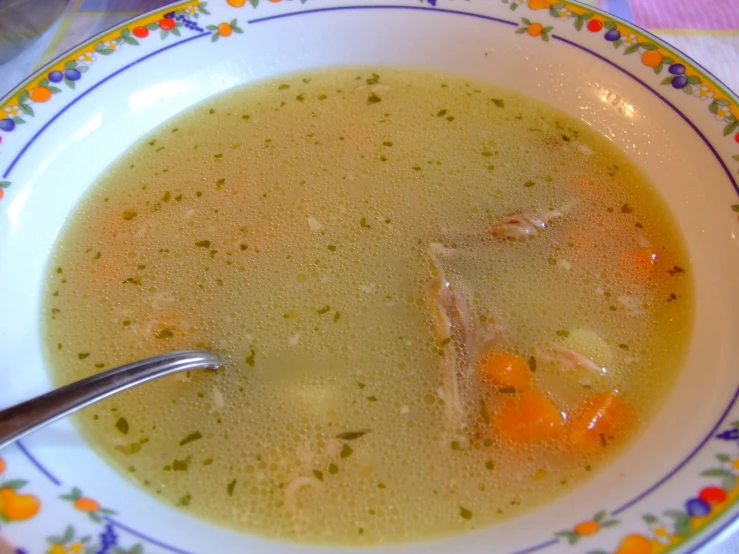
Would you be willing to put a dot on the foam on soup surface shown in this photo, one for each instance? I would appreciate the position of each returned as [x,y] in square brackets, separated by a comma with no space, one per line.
[442,304]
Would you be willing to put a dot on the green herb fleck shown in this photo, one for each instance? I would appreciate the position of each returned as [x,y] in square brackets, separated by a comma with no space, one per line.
[181,465]
[387,143]
[192,437]
[373,99]
[465,513]
[456,445]
[507,390]
[677,270]
[203,243]
[626,209]
[441,113]
[498,102]
[333,469]
[128,215]
[318,474]
[208,462]
[165,333]
[532,364]
[352,435]
[332,247]
[416,168]
[322,97]
[372,398]
[486,153]
[300,97]
[363,223]
[450,118]
[484,414]
[250,358]
[374,79]
[185,500]
[283,86]
[346,451]
[623,346]
[83,355]
[490,465]
[230,488]
[361,385]
[220,182]
[563,333]
[529,184]
[122,425]
[552,261]
[337,317]
[324,310]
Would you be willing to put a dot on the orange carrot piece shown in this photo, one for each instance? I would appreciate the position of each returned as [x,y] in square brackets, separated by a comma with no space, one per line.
[506,370]
[641,265]
[599,419]
[529,418]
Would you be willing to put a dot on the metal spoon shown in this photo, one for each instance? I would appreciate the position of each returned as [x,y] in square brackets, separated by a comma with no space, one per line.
[28,416]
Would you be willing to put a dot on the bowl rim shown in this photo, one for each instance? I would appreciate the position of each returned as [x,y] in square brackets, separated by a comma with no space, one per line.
[695,539]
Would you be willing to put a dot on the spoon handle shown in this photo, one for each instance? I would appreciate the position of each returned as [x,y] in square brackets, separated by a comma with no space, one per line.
[28,416]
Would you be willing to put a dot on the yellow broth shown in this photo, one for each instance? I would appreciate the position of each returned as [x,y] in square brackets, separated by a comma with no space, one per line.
[287,225]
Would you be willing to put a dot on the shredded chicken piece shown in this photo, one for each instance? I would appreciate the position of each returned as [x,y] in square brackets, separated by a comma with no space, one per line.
[292,489]
[461,344]
[573,360]
[527,225]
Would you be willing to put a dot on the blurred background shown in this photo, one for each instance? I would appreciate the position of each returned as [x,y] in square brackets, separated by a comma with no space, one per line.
[33,32]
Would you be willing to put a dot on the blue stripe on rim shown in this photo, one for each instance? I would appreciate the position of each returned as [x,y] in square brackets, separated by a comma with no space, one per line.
[704,540]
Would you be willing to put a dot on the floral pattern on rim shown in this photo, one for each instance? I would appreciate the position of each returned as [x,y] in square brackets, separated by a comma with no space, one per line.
[678,525]
[652,54]
[587,528]
[71,70]
[15,506]
[87,505]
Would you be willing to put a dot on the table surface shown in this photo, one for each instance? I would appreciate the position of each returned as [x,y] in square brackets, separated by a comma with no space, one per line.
[706,30]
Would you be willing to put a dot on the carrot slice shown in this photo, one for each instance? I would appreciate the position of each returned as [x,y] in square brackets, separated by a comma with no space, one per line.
[641,265]
[599,419]
[506,370]
[529,418]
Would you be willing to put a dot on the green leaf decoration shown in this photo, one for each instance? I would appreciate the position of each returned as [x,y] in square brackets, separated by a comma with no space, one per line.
[579,22]
[735,157]
[599,516]
[68,534]
[521,30]
[631,49]
[129,40]
[571,537]
[54,90]
[238,30]
[4,184]
[682,522]
[724,457]
[694,80]
[26,109]
[688,89]
[617,43]
[610,523]
[610,25]
[233,23]
[163,34]
[83,68]
[587,16]
[214,37]
[18,120]
[254,3]
[71,64]
[176,32]
[731,127]
[526,20]
[152,26]
[728,483]
[15,484]
[23,96]
[717,472]
[649,519]
[211,28]
[668,80]
[658,69]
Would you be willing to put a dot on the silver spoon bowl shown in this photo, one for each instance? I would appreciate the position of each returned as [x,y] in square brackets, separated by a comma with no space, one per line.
[21,419]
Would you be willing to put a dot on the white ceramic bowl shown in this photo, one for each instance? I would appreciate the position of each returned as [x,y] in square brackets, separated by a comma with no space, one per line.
[675,487]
